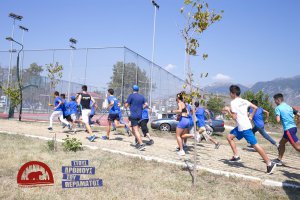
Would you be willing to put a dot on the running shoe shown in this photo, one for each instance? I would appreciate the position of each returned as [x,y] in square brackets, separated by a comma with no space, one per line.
[69,127]
[141,147]
[50,129]
[92,138]
[181,153]
[235,159]
[105,137]
[217,145]
[150,142]
[278,162]
[271,168]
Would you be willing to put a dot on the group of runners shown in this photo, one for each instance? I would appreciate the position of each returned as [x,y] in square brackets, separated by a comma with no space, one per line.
[68,113]
[81,108]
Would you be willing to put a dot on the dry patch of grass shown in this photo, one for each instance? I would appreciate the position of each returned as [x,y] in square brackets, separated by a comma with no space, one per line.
[123,177]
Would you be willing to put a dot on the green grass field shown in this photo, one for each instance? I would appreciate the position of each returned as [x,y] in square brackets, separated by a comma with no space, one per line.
[123,177]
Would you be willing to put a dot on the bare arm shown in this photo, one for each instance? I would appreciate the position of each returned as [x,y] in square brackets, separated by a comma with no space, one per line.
[180,107]
[78,99]
[232,114]
[254,108]
[268,115]
[208,114]
[126,105]
[59,103]
[277,118]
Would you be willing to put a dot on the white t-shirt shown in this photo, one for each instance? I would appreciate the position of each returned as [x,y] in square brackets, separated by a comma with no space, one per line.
[240,107]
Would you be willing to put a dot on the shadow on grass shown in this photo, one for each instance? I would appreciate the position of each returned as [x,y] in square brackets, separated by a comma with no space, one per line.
[238,165]
[292,192]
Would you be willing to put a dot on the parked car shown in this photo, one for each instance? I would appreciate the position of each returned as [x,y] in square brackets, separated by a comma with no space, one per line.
[169,123]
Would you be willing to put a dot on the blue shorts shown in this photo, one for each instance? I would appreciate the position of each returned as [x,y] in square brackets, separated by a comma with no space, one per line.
[184,123]
[291,135]
[247,134]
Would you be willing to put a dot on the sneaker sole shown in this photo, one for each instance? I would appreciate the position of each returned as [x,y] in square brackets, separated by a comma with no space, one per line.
[141,148]
[271,172]
[235,161]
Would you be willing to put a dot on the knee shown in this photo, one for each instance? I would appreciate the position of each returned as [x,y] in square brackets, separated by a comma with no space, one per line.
[229,138]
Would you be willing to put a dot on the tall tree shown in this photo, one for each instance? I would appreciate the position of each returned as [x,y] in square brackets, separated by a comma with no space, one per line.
[215,104]
[125,76]
[263,102]
[198,17]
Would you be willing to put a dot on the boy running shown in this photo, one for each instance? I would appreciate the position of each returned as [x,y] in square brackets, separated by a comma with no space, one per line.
[113,115]
[284,114]
[143,124]
[84,100]
[239,112]
[200,114]
[259,124]
[57,112]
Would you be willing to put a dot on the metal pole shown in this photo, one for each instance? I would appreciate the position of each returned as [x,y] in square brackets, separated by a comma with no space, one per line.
[152,58]
[71,70]
[21,69]
[123,71]
[10,55]
[86,63]
[9,67]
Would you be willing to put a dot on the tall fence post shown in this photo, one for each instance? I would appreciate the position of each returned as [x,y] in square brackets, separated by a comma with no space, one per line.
[123,71]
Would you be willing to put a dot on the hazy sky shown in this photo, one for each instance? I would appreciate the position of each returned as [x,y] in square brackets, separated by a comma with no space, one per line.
[255,41]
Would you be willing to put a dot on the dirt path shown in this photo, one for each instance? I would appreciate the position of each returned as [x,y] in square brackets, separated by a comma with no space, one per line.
[164,148]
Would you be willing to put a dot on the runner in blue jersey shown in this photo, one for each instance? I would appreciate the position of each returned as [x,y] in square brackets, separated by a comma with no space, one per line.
[58,111]
[259,123]
[113,114]
[285,115]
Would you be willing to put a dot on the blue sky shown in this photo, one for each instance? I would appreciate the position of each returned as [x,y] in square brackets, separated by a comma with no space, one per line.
[255,41]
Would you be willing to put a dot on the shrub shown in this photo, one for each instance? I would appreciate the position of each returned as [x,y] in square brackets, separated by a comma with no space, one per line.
[72,144]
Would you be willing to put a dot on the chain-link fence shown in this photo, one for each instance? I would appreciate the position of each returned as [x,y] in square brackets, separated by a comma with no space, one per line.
[99,68]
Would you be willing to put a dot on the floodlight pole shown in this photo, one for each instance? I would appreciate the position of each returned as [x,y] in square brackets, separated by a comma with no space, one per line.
[73,42]
[156,6]
[18,77]
[14,17]
[22,41]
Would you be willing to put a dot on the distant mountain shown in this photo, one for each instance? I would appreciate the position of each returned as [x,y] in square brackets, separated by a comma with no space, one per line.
[222,88]
[289,87]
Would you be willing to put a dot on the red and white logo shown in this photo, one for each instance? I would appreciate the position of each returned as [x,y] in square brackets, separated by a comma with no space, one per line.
[35,173]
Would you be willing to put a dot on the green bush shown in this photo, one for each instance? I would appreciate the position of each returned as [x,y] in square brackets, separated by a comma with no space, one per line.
[215,104]
[263,102]
[72,144]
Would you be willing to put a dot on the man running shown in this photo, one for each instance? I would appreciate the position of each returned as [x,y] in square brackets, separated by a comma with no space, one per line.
[113,114]
[200,114]
[84,100]
[259,124]
[136,102]
[58,112]
[284,114]
[239,112]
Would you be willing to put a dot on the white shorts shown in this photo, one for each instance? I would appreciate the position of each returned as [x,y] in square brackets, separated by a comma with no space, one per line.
[85,115]
[74,117]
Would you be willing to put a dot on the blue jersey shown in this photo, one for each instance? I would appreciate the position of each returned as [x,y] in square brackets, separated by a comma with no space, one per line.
[119,112]
[258,118]
[286,116]
[200,114]
[64,108]
[190,116]
[92,108]
[56,102]
[73,107]
[136,102]
[114,108]
[145,114]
